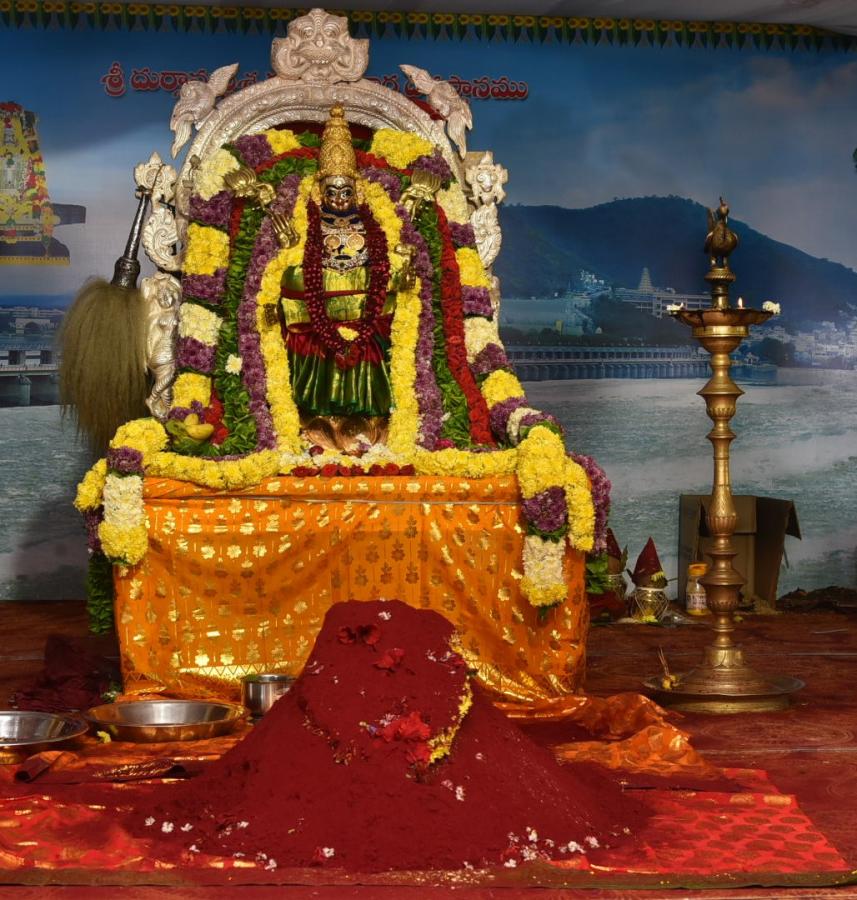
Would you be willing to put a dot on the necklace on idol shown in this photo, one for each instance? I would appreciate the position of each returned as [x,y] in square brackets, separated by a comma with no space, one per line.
[373,249]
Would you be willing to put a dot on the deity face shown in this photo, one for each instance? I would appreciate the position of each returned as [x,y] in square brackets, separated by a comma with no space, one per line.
[338,193]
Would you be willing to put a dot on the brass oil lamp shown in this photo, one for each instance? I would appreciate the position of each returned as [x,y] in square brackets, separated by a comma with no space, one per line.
[722,682]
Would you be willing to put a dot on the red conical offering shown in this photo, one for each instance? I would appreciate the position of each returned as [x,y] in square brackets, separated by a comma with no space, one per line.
[616,559]
[648,572]
[613,550]
[374,761]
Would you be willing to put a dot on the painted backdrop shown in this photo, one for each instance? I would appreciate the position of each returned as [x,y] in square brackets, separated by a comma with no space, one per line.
[615,136]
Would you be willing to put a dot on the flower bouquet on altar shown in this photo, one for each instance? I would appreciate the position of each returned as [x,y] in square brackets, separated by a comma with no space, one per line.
[605,582]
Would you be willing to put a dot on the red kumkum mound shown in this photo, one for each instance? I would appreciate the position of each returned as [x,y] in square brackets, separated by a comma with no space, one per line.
[350,769]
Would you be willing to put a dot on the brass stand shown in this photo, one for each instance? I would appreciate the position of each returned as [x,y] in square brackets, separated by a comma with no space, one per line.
[723,682]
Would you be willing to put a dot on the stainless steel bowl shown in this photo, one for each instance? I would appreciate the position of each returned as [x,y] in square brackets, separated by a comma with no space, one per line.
[150,721]
[260,692]
[23,733]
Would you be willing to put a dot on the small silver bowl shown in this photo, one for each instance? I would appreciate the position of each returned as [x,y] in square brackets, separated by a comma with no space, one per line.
[260,692]
[151,721]
[24,732]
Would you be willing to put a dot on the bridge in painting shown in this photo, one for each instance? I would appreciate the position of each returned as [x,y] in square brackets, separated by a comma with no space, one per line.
[547,363]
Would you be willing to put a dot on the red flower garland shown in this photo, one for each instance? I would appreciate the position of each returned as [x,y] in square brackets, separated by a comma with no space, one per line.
[453,328]
[369,160]
[347,353]
[235,221]
[302,152]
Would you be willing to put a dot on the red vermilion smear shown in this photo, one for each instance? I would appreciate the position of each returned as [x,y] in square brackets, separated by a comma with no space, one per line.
[337,773]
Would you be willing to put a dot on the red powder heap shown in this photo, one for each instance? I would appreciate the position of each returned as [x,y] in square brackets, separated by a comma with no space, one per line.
[339,773]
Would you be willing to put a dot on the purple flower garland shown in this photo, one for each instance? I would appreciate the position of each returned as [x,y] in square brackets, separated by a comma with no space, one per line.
[462,235]
[546,511]
[125,461]
[214,211]
[499,416]
[490,358]
[92,518]
[208,288]
[193,354]
[476,302]
[249,342]
[426,387]
[390,182]
[254,149]
[435,164]
[180,413]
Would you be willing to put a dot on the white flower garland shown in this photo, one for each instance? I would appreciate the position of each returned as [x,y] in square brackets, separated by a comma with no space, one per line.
[199,323]
[123,501]
[209,176]
[478,333]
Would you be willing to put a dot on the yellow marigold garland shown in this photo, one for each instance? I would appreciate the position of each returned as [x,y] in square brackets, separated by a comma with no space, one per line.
[463,464]
[541,461]
[91,488]
[207,250]
[499,386]
[405,415]
[470,266]
[146,435]
[281,140]
[123,545]
[216,474]
[284,411]
[399,148]
[581,508]
[189,387]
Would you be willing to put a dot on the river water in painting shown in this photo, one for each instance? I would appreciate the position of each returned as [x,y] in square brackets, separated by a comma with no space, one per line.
[796,440]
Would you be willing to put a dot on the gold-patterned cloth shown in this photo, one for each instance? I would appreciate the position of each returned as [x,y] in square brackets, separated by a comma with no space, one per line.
[236,583]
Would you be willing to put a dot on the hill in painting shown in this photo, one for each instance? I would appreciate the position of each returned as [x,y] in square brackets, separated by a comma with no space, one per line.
[545,246]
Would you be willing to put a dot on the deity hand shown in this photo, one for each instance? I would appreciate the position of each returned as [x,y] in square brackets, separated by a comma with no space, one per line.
[284,229]
[408,277]
[243,183]
[424,185]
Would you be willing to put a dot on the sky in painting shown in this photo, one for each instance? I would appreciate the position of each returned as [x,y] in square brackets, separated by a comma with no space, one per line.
[772,131]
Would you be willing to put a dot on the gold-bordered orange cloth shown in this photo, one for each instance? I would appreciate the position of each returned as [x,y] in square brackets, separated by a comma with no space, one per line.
[236,583]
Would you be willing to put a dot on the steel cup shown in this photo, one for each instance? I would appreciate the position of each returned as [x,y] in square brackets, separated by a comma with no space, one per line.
[260,692]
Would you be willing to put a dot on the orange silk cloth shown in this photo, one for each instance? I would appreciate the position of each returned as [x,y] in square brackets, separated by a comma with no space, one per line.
[237,583]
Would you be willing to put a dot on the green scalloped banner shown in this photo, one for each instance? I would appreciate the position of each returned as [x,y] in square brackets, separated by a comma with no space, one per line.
[56,14]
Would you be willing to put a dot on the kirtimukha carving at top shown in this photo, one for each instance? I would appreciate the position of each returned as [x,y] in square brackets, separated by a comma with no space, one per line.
[320,49]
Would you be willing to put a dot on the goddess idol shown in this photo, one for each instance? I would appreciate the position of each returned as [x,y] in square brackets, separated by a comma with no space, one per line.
[338,324]
[338,307]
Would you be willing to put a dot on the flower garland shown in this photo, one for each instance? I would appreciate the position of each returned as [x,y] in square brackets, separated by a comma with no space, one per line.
[199,323]
[209,178]
[207,250]
[399,148]
[405,416]
[424,387]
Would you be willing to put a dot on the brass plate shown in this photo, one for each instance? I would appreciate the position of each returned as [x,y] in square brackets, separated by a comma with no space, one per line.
[777,695]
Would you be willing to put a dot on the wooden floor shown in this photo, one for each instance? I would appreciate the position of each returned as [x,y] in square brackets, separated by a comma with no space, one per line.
[809,750]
